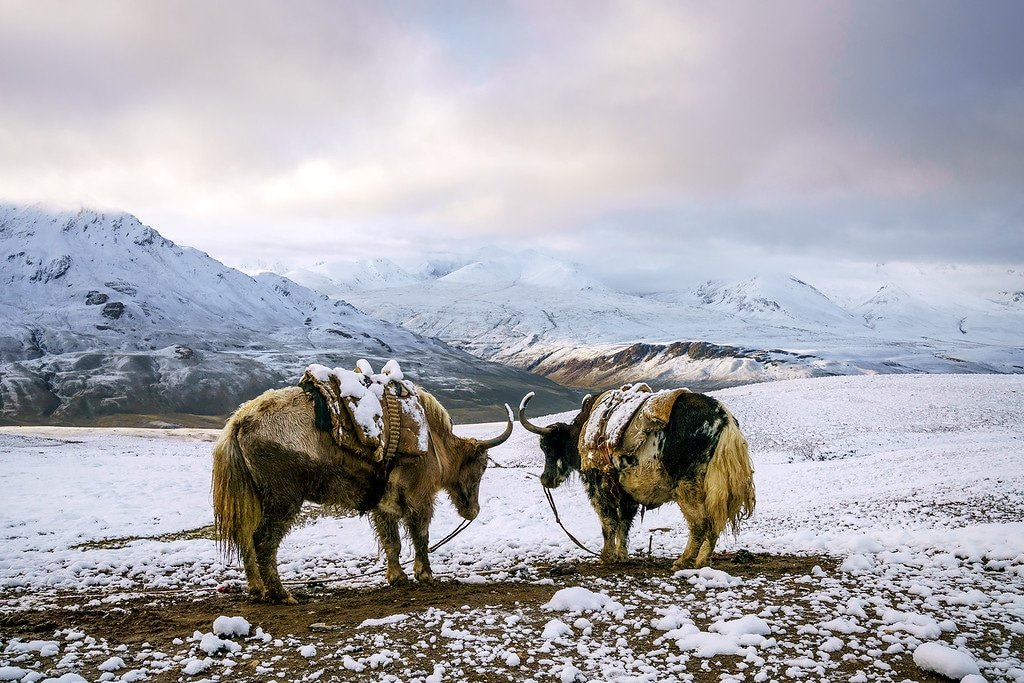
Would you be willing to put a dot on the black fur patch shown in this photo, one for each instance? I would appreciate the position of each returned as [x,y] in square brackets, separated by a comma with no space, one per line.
[321,415]
[688,445]
[560,445]
[614,502]
[375,491]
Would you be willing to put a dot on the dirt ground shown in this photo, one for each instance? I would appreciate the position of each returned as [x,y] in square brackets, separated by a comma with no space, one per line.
[331,618]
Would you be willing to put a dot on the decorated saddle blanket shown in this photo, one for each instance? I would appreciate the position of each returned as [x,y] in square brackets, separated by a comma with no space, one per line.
[620,422]
[379,414]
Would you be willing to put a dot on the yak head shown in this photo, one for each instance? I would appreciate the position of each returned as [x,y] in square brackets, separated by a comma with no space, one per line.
[559,442]
[464,486]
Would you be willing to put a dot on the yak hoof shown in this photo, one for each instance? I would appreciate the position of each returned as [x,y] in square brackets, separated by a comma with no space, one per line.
[285,598]
[398,579]
[427,577]
[682,563]
[614,557]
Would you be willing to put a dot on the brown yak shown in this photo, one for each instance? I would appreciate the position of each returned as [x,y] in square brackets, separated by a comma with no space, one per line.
[271,457]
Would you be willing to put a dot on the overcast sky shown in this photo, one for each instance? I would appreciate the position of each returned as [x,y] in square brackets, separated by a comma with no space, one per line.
[666,134]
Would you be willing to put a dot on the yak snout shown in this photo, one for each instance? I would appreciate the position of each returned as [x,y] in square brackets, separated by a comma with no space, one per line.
[467,503]
[555,472]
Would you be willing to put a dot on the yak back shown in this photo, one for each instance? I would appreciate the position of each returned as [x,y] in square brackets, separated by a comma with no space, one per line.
[620,423]
[691,424]
[402,424]
[692,433]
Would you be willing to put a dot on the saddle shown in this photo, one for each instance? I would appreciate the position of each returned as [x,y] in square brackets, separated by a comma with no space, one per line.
[375,414]
[620,422]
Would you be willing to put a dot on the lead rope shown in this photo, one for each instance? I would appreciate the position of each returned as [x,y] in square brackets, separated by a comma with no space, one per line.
[458,530]
[551,502]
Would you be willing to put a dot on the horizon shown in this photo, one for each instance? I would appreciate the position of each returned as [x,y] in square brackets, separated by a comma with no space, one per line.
[847,284]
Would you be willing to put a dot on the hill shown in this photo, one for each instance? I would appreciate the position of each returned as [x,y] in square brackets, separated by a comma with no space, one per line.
[103,316]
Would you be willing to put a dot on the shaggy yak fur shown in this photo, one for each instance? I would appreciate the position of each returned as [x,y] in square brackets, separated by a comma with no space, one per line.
[700,460]
[272,456]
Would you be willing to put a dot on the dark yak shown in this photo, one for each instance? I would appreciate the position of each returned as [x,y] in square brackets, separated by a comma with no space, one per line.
[698,457]
[271,457]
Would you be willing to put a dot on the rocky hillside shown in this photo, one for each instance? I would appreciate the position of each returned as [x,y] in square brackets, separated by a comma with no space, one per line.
[101,315]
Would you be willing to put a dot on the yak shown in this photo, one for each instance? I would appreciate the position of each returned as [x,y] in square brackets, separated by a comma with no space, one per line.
[695,455]
[271,456]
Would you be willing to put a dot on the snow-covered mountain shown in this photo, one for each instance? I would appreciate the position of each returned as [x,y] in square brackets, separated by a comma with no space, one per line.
[531,311]
[100,314]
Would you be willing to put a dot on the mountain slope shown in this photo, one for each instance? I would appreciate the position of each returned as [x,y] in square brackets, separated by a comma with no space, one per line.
[769,326]
[103,315]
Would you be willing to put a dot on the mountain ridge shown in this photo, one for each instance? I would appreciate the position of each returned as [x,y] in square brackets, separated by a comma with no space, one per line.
[775,325]
[103,315]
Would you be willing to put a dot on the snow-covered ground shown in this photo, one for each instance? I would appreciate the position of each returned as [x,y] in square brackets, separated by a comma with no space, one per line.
[914,484]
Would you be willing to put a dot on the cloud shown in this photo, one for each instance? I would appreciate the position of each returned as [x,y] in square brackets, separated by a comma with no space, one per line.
[820,128]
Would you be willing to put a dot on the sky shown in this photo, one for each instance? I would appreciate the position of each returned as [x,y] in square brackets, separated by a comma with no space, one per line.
[640,138]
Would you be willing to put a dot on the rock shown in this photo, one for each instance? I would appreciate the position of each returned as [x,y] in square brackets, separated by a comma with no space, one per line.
[113,310]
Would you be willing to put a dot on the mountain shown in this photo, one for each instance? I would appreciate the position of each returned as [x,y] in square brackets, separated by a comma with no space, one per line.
[533,312]
[776,299]
[102,315]
[338,278]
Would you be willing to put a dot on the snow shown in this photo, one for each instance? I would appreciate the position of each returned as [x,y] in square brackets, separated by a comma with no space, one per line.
[104,315]
[196,665]
[526,399]
[530,311]
[556,628]
[212,644]
[944,660]
[393,619]
[914,484]
[112,664]
[613,414]
[749,624]
[578,599]
[366,389]
[231,626]
[45,648]
[708,577]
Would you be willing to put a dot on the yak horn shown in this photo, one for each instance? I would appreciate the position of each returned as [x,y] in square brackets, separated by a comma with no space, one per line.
[503,437]
[526,423]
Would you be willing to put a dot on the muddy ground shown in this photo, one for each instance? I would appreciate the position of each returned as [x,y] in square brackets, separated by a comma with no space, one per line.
[473,631]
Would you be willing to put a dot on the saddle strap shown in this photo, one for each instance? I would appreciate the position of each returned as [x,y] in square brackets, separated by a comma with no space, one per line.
[394,417]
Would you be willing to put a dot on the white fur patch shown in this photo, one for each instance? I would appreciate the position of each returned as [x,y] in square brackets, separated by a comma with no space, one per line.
[648,481]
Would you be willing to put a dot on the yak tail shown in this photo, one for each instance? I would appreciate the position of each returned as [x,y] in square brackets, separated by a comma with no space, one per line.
[236,507]
[729,482]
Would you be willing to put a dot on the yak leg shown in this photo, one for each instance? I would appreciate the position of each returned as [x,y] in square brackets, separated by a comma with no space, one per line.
[418,526]
[616,510]
[386,526]
[691,502]
[627,512]
[253,577]
[608,532]
[693,545]
[707,548]
[274,525]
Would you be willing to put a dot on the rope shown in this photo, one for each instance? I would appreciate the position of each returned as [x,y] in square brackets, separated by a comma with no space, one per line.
[551,502]
[458,530]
